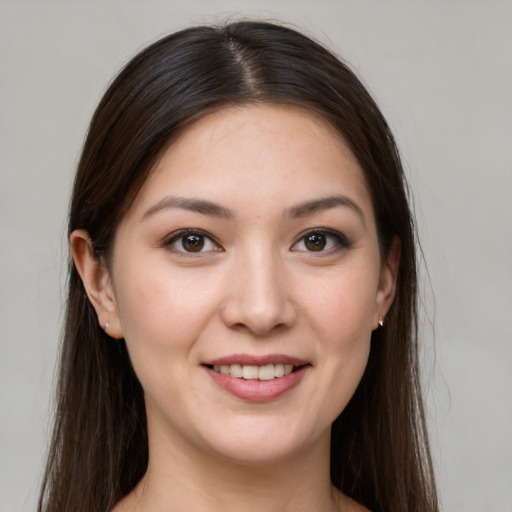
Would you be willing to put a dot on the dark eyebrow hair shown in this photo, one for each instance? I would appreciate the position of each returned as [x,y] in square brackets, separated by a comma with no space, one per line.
[208,208]
[193,205]
[309,207]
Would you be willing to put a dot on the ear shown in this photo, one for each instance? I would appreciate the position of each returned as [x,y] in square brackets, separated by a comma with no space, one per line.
[97,282]
[387,282]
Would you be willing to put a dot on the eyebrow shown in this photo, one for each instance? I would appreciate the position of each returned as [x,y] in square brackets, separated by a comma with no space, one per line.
[326,203]
[194,205]
[205,207]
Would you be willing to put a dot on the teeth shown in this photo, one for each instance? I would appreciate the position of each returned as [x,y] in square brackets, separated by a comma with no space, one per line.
[251,372]
[235,370]
[267,372]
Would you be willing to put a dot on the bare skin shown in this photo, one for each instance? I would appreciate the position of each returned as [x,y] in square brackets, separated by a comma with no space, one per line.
[254,237]
[254,490]
[203,484]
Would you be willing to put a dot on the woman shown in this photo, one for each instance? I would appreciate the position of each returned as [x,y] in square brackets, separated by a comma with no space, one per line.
[241,319]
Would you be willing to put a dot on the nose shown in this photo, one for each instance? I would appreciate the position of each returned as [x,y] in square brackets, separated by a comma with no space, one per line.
[258,297]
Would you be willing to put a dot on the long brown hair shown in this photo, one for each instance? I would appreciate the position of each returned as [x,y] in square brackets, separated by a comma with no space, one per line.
[99,450]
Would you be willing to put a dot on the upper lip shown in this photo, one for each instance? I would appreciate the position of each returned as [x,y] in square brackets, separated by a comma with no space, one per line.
[253,360]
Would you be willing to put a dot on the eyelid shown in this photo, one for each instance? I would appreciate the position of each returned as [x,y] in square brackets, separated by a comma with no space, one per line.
[175,236]
[342,241]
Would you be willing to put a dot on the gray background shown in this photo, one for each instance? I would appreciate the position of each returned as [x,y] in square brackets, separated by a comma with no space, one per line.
[442,73]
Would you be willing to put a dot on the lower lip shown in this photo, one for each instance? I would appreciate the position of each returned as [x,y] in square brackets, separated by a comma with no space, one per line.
[258,390]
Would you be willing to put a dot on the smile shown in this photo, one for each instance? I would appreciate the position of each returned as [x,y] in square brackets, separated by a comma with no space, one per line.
[257,378]
[252,372]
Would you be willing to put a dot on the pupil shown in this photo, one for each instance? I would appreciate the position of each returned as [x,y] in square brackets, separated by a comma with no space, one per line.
[315,242]
[193,243]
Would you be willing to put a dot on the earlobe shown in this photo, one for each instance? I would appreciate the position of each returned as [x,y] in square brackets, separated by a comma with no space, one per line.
[97,282]
[387,282]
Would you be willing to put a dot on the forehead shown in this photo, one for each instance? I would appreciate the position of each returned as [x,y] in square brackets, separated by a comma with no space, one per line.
[254,154]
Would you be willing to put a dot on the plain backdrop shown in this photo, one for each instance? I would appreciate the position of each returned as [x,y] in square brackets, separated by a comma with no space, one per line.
[442,73]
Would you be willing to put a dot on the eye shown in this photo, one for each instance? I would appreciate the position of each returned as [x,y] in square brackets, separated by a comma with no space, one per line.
[191,241]
[321,240]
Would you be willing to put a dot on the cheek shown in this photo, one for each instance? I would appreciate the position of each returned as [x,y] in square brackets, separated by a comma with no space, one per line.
[340,316]
[160,301]
[344,326]
[160,325]
[162,313]
[342,305]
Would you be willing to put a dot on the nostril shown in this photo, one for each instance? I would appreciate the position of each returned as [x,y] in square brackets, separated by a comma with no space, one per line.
[259,306]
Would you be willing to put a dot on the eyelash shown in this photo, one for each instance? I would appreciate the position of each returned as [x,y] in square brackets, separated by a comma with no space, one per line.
[178,236]
[340,241]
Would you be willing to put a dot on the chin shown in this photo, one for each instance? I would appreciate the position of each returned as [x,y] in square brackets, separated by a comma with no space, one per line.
[262,440]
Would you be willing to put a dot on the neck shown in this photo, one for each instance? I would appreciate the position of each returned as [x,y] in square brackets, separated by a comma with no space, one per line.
[193,480]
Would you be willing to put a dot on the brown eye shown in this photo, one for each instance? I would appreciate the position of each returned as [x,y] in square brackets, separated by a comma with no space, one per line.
[322,241]
[315,242]
[192,243]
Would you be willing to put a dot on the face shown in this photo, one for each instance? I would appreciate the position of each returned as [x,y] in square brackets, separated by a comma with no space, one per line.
[246,280]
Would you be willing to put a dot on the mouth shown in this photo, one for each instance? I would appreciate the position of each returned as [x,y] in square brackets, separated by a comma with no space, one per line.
[254,372]
[257,379]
